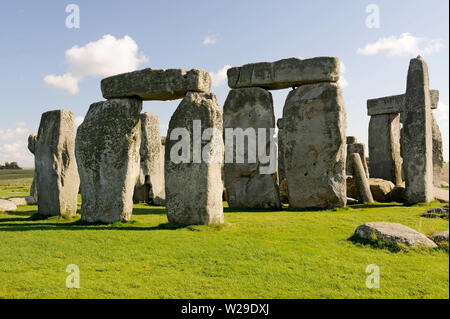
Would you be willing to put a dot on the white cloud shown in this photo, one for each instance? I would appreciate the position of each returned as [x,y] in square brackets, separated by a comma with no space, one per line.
[342,80]
[219,77]
[13,145]
[78,121]
[13,133]
[405,45]
[104,57]
[210,39]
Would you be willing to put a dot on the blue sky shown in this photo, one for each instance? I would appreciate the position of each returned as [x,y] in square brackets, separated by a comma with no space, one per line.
[209,35]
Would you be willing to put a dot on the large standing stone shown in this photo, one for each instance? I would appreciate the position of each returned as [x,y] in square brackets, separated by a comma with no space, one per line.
[107,152]
[150,185]
[194,186]
[438,159]
[247,187]
[32,148]
[314,124]
[151,84]
[56,167]
[358,148]
[285,73]
[417,143]
[385,160]
[361,181]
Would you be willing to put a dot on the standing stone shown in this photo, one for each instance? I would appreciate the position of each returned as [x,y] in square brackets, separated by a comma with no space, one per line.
[32,148]
[417,143]
[359,148]
[385,160]
[314,124]
[247,187]
[194,186]
[55,164]
[438,159]
[361,181]
[107,151]
[150,185]
[284,197]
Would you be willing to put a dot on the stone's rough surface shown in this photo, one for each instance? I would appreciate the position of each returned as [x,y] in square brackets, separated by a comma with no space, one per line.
[361,182]
[7,205]
[385,160]
[314,124]
[395,103]
[151,84]
[285,73]
[150,185]
[284,192]
[107,152]
[351,186]
[194,189]
[28,200]
[32,139]
[381,189]
[440,236]
[56,167]
[417,144]
[441,194]
[351,140]
[393,233]
[438,158]
[360,149]
[246,186]
[398,194]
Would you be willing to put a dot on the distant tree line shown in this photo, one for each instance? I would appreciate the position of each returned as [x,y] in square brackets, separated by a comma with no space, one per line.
[12,165]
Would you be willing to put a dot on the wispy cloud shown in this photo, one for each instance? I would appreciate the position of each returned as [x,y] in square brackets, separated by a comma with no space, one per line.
[342,80]
[404,45]
[13,145]
[219,78]
[210,39]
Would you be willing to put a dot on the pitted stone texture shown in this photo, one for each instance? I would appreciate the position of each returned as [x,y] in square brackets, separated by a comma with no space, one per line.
[395,103]
[194,190]
[438,158]
[151,84]
[246,186]
[361,181]
[7,205]
[385,160]
[107,152]
[358,148]
[417,143]
[150,185]
[314,125]
[381,189]
[285,73]
[55,164]
[32,148]
[394,233]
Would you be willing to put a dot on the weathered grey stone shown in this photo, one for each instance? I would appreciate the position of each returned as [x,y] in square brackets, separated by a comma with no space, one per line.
[314,124]
[27,200]
[385,160]
[150,185]
[381,189]
[351,140]
[440,236]
[194,187]
[246,186]
[361,181]
[151,84]
[56,167]
[438,158]
[351,186]
[441,194]
[417,144]
[395,103]
[7,205]
[358,148]
[398,194]
[285,73]
[107,151]
[394,233]
[32,148]
[351,201]
[32,139]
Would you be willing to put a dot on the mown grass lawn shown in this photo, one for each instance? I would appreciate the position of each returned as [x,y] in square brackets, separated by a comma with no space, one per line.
[255,254]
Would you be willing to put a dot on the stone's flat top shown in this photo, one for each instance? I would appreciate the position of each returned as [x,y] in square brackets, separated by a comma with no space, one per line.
[440,236]
[149,84]
[394,233]
[395,103]
[7,205]
[284,73]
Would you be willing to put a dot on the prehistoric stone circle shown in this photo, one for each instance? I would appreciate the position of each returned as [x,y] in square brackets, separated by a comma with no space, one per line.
[416,142]
[107,150]
[150,185]
[246,186]
[56,167]
[361,181]
[32,148]
[194,186]
[314,125]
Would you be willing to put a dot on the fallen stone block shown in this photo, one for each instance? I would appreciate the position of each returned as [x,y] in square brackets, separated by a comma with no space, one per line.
[440,236]
[381,189]
[7,205]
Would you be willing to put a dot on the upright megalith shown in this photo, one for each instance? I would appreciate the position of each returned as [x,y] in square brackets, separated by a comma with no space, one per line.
[56,167]
[314,125]
[417,143]
[107,150]
[150,185]
[193,161]
[248,113]
[32,139]
[360,148]
[438,159]
[361,180]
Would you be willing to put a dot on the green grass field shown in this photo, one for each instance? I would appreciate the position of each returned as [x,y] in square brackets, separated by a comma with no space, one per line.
[255,254]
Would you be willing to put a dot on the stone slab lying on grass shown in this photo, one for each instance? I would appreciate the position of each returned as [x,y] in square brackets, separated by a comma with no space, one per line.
[380,189]
[393,233]
[441,195]
[28,200]
[151,84]
[440,236]
[284,73]
[7,205]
